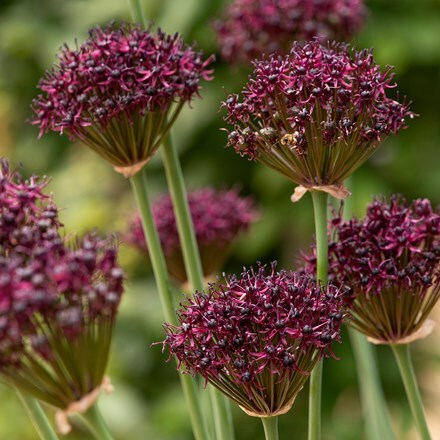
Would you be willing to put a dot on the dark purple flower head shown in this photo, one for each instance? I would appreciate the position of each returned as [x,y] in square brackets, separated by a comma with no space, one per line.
[28,216]
[315,115]
[57,312]
[251,28]
[219,216]
[391,261]
[57,303]
[257,337]
[116,91]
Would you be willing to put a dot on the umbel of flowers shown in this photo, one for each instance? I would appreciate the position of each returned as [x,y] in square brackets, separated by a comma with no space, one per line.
[257,337]
[251,28]
[391,261]
[27,215]
[315,115]
[120,92]
[219,216]
[58,303]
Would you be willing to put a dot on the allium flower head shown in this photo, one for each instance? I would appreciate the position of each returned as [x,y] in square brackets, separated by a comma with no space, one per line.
[57,312]
[316,114]
[116,91]
[391,261]
[219,216]
[28,216]
[251,28]
[257,337]
[57,302]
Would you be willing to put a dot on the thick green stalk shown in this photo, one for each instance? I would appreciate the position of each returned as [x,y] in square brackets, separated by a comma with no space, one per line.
[96,423]
[320,211]
[140,188]
[403,358]
[137,12]
[221,406]
[185,227]
[377,417]
[37,416]
[270,425]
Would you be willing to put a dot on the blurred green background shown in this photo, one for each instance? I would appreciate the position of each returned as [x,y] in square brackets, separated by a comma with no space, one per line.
[147,403]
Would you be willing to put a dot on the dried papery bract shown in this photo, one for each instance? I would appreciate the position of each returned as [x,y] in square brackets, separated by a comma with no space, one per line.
[391,261]
[315,115]
[120,92]
[219,216]
[250,28]
[257,337]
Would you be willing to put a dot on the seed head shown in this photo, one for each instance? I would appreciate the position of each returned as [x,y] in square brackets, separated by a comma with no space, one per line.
[257,337]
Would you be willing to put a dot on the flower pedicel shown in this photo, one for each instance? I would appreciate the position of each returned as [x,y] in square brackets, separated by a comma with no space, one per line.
[116,92]
[315,115]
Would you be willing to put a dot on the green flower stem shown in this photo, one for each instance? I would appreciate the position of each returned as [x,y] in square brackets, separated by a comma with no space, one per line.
[376,412]
[96,423]
[270,425]
[403,358]
[193,266]
[221,410]
[185,227]
[37,416]
[377,417]
[140,187]
[137,12]
[320,199]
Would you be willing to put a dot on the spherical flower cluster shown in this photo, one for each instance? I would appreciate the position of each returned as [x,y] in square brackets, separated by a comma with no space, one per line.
[57,307]
[54,295]
[257,337]
[315,115]
[27,215]
[251,28]
[219,216]
[115,91]
[58,302]
[391,261]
